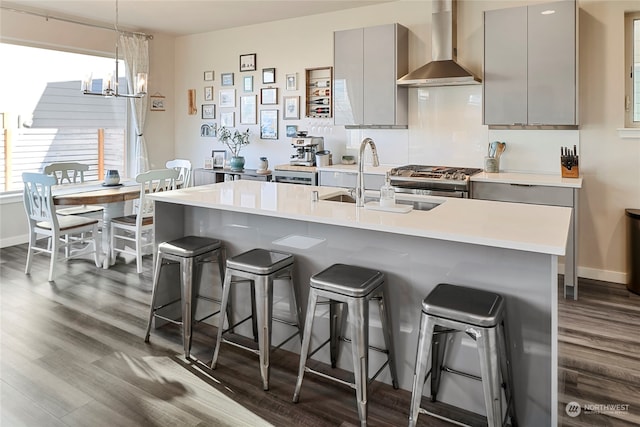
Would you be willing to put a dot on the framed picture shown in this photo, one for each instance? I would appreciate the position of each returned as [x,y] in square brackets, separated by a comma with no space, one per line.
[268,124]
[219,157]
[208,163]
[291,131]
[248,110]
[208,130]
[269,96]
[291,108]
[268,75]
[248,84]
[227,79]
[208,111]
[157,103]
[228,119]
[208,93]
[208,76]
[227,98]
[248,62]
[292,81]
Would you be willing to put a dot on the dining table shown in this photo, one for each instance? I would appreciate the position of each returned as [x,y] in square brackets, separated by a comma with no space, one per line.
[111,197]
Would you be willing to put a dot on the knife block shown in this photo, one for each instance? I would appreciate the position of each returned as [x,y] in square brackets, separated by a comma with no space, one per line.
[574,172]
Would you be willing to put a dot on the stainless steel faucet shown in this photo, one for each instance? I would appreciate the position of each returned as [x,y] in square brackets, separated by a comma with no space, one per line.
[360,178]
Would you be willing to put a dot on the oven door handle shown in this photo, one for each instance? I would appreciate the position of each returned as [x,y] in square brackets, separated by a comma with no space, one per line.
[442,193]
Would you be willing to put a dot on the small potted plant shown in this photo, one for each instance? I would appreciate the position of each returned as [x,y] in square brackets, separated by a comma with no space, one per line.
[234,140]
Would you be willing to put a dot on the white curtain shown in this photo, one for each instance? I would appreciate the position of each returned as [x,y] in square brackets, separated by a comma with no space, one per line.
[135,50]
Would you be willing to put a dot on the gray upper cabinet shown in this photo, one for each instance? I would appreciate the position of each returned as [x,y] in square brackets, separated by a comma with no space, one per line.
[367,63]
[530,65]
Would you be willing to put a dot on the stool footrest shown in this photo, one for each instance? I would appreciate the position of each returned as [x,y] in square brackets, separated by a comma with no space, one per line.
[330,377]
[202,319]
[371,347]
[464,374]
[166,319]
[442,417]
[160,307]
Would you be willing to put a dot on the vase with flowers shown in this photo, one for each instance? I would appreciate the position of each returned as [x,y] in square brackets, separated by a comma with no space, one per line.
[234,140]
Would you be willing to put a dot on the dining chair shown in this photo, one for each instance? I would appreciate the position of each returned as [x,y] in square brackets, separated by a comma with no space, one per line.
[71,173]
[137,229]
[42,219]
[184,168]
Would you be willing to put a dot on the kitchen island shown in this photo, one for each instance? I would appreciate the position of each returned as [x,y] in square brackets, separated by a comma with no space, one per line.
[508,248]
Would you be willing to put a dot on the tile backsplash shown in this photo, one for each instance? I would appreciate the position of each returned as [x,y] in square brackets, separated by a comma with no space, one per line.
[445,128]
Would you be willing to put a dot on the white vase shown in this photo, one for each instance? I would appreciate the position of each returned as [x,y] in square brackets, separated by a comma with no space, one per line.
[263,165]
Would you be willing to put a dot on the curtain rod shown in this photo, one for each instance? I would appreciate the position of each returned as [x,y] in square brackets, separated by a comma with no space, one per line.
[73,21]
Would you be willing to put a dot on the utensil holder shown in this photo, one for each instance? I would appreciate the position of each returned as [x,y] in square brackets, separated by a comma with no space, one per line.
[574,172]
[491,164]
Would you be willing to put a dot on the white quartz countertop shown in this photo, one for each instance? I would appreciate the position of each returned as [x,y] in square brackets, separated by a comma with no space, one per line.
[533,228]
[527,179]
[502,177]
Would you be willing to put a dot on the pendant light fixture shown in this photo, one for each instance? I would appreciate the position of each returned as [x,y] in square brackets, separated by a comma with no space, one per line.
[112,81]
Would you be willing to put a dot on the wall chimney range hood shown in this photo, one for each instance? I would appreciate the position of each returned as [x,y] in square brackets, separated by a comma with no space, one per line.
[444,69]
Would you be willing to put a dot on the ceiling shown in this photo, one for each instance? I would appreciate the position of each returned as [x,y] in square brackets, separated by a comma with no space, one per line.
[182,17]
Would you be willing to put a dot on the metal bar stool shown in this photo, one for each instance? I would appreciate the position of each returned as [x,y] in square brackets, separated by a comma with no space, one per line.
[481,315]
[190,253]
[259,267]
[354,287]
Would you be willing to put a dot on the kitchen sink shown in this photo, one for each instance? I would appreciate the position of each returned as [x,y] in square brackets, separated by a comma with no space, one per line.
[419,205]
[344,198]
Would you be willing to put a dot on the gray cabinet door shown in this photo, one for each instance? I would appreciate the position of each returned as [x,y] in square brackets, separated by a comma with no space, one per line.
[367,63]
[552,63]
[505,66]
[348,84]
[530,65]
[380,75]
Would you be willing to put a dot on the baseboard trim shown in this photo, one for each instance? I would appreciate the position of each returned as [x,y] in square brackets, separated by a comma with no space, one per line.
[604,275]
[14,240]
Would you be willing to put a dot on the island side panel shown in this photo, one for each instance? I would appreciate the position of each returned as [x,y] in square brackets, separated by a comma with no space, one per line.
[414,266]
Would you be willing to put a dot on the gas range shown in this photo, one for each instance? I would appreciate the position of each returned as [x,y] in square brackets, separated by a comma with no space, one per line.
[432,180]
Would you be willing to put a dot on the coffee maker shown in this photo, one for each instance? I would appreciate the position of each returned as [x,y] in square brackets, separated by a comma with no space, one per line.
[306,148]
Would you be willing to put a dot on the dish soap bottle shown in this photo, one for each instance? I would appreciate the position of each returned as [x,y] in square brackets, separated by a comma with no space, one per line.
[387,193]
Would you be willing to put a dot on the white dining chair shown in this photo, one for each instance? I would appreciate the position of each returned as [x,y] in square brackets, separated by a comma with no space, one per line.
[42,219]
[184,169]
[137,229]
[71,173]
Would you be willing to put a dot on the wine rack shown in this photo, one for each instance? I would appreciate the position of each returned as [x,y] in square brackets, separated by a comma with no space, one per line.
[319,92]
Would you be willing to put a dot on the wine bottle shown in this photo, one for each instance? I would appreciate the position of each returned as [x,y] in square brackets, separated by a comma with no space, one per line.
[324,101]
[321,92]
[324,83]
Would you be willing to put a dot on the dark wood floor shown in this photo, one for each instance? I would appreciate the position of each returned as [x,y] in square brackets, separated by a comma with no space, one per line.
[72,354]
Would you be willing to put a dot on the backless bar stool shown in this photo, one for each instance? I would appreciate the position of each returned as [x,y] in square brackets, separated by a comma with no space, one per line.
[481,315]
[354,287]
[190,253]
[259,267]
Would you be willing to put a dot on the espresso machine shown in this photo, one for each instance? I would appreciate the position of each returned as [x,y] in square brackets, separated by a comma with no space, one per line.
[306,149]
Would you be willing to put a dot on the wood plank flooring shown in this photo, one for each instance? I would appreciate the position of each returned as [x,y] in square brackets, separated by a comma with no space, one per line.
[72,354]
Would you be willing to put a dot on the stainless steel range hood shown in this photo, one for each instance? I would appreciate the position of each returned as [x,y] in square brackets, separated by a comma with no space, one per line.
[444,70]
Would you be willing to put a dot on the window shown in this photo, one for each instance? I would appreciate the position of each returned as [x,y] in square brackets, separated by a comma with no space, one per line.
[47,119]
[632,69]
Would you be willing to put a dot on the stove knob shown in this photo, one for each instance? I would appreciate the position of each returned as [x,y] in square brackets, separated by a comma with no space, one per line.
[459,176]
[447,175]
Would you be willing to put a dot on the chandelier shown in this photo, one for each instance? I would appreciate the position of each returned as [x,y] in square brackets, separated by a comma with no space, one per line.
[112,81]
